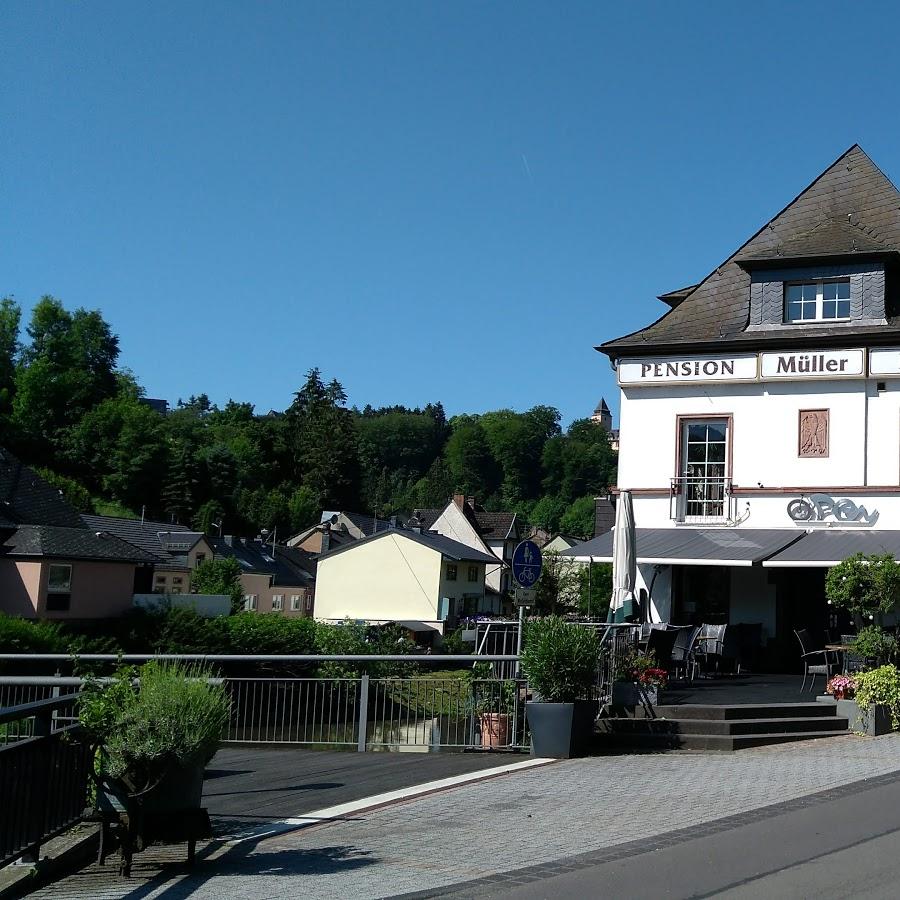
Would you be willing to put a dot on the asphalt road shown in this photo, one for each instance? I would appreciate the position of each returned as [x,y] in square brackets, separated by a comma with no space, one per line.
[246,786]
[840,844]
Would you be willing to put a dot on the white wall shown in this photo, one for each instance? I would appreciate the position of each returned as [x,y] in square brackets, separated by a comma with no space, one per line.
[864,444]
[453,524]
[392,577]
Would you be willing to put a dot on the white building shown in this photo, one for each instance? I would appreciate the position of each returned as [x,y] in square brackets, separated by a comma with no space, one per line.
[760,417]
[404,576]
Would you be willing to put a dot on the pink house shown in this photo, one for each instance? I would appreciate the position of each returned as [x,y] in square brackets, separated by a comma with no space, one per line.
[52,566]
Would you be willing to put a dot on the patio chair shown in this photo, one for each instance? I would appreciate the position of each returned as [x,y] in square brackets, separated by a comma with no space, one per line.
[853,662]
[711,645]
[660,643]
[682,658]
[815,661]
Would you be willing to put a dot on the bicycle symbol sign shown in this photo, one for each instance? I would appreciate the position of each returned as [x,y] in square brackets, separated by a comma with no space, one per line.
[526,564]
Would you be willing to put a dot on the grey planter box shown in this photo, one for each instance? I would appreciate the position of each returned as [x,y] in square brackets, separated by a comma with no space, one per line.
[627,693]
[873,721]
[561,730]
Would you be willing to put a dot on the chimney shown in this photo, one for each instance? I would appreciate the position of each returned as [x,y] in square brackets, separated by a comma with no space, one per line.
[459,500]
[393,522]
[326,540]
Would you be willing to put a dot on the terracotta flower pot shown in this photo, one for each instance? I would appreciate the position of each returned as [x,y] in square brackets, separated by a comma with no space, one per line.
[494,729]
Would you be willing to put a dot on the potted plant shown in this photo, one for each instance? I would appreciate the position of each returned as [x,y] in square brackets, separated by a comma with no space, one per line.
[876,707]
[560,662]
[875,646]
[153,732]
[841,687]
[494,705]
[640,680]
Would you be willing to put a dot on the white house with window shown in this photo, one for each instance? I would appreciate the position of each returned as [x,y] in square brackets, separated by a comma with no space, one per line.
[422,579]
[760,417]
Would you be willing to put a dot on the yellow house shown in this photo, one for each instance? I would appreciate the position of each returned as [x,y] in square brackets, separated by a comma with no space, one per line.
[402,576]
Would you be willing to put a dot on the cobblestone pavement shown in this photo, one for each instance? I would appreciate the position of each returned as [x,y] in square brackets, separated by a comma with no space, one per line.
[478,830]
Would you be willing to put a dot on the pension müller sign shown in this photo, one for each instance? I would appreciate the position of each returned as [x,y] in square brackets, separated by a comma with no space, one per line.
[742,367]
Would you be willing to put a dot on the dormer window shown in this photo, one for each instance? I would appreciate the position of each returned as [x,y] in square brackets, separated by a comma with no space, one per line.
[817,301]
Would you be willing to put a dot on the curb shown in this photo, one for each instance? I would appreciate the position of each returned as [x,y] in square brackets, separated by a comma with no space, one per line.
[330,814]
[64,854]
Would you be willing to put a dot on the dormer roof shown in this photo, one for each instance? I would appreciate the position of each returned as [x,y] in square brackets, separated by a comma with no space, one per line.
[851,209]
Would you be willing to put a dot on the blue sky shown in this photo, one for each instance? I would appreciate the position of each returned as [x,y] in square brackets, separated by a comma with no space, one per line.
[428,201]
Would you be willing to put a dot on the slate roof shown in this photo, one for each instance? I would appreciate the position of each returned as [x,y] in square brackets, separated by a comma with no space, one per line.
[26,499]
[604,515]
[72,543]
[366,523]
[255,558]
[496,525]
[141,534]
[447,547]
[850,209]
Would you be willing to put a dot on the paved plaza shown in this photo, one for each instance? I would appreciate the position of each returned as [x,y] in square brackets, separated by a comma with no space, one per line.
[476,832]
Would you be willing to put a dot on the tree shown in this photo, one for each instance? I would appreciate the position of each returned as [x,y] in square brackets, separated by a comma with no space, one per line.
[10,319]
[67,368]
[179,491]
[864,585]
[579,462]
[547,513]
[219,576]
[578,519]
[469,461]
[325,442]
[595,590]
[559,587]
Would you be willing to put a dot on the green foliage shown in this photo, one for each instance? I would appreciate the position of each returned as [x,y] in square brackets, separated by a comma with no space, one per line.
[864,585]
[547,513]
[595,590]
[30,636]
[559,587]
[470,463]
[219,576]
[559,659]
[873,642]
[453,644]
[75,495]
[174,718]
[578,519]
[878,687]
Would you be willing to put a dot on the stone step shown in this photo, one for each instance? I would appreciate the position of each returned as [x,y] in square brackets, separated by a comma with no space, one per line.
[745,711]
[718,742]
[677,725]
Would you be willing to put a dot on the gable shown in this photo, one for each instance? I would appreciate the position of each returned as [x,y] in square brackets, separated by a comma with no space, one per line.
[454,524]
[851,209]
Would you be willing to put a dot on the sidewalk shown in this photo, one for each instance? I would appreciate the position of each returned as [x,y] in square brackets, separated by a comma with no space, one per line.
[476,831]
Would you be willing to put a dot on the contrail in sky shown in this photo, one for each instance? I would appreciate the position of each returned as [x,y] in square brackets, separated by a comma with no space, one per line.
[527,167]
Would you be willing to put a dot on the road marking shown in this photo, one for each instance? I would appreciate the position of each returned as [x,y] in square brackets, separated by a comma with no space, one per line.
[367,804]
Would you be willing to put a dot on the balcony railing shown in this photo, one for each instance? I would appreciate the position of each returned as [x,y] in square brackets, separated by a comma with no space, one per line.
[701,501]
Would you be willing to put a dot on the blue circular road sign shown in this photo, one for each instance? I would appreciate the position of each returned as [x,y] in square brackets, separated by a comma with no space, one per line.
[526,564]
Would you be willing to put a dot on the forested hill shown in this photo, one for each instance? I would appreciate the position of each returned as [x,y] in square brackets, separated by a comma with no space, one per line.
[67,409]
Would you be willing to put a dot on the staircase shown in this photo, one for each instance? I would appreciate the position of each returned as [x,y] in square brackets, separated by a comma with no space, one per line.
[729,727]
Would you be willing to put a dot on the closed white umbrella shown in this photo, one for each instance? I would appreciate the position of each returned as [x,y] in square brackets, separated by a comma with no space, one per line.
[623,606]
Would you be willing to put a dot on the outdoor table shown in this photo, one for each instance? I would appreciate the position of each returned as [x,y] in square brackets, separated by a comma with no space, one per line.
[842,649]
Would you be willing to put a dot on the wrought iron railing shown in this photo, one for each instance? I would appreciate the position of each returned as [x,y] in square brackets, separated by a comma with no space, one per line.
[701,500]
[43,775]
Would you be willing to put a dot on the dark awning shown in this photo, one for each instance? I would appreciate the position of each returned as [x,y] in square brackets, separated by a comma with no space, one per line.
[694,546]
[818,549]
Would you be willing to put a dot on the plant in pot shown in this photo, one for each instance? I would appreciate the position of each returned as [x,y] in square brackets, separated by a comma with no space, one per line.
[877,701]
[640,680]
[153,732]
[841,687]
[494,704]
[874,645]
[560,662]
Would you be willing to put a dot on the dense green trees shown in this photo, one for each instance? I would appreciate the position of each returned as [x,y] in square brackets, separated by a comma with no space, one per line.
[66,406]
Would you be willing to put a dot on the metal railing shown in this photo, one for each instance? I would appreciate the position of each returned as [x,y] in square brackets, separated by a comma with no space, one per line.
[43,775]
[701,500]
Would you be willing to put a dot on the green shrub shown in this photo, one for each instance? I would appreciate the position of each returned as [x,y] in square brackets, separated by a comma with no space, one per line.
[30,636]
[874,642]
[878,687]
[173,718]
[269,633]
[864,585]
[559,659]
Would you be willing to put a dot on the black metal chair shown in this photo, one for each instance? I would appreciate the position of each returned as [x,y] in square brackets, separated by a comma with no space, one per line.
[853,662]
[827,665]
[682,657]
[660,642]
[711,645]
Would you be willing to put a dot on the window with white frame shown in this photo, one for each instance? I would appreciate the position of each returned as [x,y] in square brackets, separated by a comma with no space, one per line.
[309,602]
[277,602]
[296,602]
[250,602]
[59,586]
[817,301]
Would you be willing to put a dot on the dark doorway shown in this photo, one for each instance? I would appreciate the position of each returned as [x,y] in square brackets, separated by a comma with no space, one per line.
[801,603]
[701,595]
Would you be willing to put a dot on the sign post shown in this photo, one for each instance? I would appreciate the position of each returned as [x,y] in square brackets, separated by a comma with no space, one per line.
[526,570]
